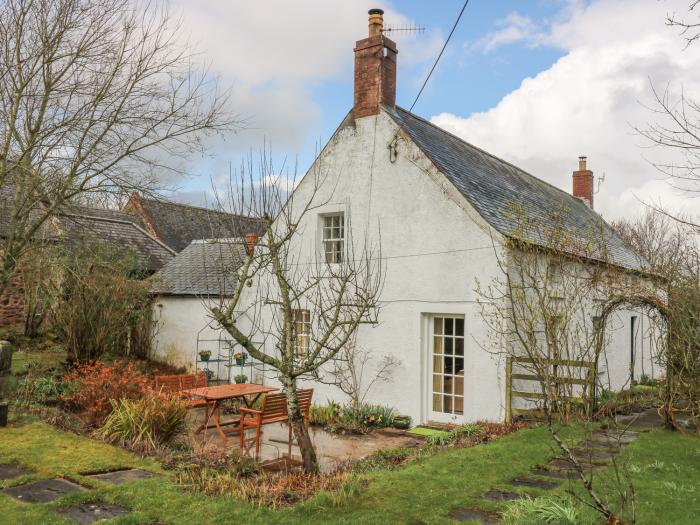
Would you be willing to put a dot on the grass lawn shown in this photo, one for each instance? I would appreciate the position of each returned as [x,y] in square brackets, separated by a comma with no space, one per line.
[666,475]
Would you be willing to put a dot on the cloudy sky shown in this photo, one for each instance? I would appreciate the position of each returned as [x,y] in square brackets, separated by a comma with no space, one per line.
[537,83]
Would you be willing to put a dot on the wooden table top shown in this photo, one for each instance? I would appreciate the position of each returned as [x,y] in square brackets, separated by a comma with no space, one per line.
[228,391]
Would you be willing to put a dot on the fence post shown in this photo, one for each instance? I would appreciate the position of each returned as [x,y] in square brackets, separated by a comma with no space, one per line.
[509,371]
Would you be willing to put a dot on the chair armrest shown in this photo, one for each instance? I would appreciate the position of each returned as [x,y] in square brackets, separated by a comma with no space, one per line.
[250,411]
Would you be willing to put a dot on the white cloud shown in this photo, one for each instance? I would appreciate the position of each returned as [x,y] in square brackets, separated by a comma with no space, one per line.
[589,101]
[272,53]
[514,28]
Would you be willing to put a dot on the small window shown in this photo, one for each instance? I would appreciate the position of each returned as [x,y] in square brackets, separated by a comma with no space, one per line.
[334,238]
[302,330]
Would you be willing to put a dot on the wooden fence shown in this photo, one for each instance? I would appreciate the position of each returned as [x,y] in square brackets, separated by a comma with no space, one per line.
[586,400]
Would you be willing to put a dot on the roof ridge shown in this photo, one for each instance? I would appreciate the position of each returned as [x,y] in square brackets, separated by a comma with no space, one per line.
[195,207]
[499,159]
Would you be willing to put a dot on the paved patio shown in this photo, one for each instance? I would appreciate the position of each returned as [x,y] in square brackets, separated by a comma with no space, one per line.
[332,449]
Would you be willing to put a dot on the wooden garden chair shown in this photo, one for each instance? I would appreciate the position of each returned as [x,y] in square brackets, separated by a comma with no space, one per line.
[175,384]
[274,410]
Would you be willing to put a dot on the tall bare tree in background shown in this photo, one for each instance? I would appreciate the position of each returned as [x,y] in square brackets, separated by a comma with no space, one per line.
[671,246]
[689,24]
[96,97]
[676,127]
[293,307]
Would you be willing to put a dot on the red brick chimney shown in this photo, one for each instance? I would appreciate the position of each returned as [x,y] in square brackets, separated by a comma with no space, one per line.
[251,239]
[375,69]
[583,183]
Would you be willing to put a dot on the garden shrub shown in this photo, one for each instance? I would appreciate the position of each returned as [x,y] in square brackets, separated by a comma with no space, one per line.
[100,308]
[145,423]
[367,416]
[96,384]
[636,399]
[323,415]
[50,387]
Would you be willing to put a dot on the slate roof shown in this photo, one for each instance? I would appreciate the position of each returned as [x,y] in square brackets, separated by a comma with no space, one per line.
[118,229]
[511,200]
[203,268]
[177,225]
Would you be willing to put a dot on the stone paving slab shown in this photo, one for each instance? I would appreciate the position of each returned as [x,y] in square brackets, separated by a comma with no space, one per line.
[524,481]
[43,491]
[594,455]
[122,476]
[12,470]
[503,495]
[601,445]
[565,464]
[614,438]
[88,513]
[559,474]
[475,515]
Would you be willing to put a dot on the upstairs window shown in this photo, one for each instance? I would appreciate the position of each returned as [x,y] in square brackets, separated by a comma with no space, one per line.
[334,238]
[302,329]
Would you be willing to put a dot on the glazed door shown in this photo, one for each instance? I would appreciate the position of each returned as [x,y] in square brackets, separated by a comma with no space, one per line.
[446,382]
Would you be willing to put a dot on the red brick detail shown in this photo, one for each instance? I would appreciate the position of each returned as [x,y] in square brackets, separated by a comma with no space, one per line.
[135,206]
[375,75]
[583,186]
[12,302]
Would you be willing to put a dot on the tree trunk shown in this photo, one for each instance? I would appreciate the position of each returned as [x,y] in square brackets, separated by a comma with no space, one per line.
[299,428]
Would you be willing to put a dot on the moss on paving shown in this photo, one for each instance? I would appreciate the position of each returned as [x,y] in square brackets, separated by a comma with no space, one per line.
[423,431]
[423,492]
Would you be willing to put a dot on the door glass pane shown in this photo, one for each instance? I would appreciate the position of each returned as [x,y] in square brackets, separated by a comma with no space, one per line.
[448,365]
[448,326]
[437,364]
[437,382]
[448,345]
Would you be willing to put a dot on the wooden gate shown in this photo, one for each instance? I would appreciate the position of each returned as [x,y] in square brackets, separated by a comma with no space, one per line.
[586,400]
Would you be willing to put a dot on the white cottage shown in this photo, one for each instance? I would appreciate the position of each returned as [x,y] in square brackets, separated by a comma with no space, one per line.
[441,205]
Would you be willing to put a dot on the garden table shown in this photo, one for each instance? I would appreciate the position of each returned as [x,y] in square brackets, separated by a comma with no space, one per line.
[214,395]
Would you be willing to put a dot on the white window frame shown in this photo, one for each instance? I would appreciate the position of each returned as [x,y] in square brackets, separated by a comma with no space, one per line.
[333,244]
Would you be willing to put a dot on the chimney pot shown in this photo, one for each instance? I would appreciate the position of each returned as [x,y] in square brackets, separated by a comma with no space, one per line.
[582,162]
[376,22]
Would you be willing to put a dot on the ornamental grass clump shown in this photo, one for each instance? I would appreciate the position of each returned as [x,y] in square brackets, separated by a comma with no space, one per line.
[145,424]
[550,510]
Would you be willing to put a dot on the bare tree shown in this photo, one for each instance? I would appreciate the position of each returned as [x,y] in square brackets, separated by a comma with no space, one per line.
[96,98]
[351,371]
[292,308]
[668,243]
[689,28]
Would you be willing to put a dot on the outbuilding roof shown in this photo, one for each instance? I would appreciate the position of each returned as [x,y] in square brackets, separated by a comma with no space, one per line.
[114,228]
[206,267]
[177,224]
[512,201]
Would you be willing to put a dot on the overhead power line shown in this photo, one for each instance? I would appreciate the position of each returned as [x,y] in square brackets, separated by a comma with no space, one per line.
[440,55]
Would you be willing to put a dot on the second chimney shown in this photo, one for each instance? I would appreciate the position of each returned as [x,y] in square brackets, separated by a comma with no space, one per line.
[583,182]
[375,69]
